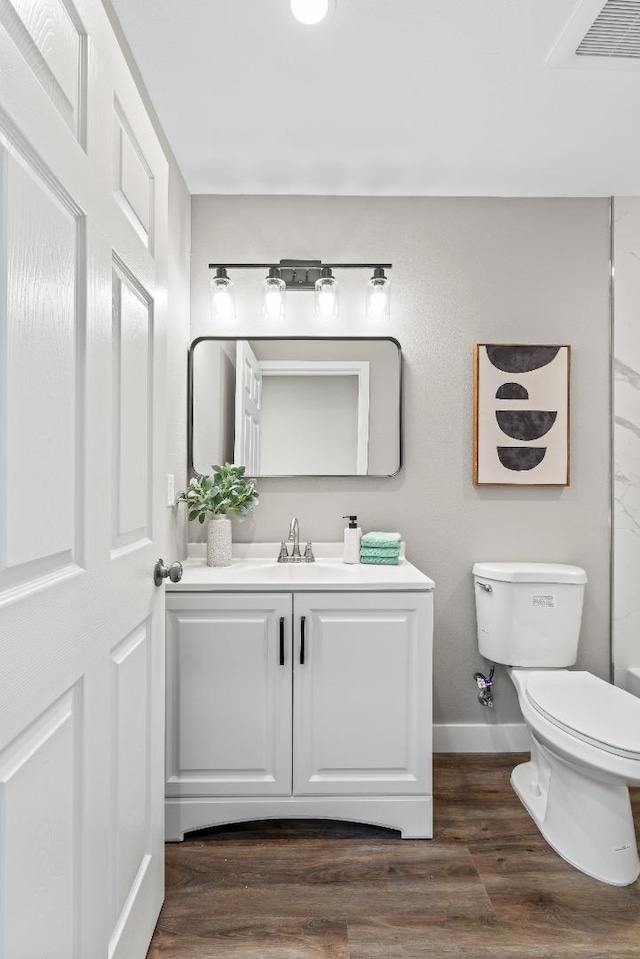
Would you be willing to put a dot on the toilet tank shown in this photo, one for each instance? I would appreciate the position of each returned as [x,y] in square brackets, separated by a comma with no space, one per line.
[528,614]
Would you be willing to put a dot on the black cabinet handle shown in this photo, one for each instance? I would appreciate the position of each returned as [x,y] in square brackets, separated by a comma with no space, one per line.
[282,640]
[302,627]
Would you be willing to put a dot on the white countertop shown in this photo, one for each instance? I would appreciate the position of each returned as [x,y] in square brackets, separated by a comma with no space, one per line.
[255,566]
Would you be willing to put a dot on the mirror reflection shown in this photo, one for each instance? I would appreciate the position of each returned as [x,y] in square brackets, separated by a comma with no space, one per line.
[296,407]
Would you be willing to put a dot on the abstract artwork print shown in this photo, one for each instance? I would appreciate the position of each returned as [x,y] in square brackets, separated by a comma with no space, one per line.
[521,415]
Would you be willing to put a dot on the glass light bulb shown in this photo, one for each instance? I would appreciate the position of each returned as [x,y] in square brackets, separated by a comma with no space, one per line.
[309,11]
[326,302]
[378,298]
[223,304]
[378,303]
[273,290]
[273,302]
[326,298]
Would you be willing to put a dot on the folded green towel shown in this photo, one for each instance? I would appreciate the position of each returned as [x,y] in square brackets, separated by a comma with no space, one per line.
[379,560]
[382,552]
[381,539]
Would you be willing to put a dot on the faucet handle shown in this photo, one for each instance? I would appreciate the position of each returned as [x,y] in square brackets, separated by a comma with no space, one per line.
[283,556]
[308,554]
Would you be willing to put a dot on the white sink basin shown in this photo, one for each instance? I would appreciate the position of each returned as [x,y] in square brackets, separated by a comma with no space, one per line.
[307,572]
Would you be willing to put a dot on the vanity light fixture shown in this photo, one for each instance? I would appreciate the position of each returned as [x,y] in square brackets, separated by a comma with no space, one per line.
[288,276]
[326,295]
[310,12]
[378,305]
[223,301]
[273,290]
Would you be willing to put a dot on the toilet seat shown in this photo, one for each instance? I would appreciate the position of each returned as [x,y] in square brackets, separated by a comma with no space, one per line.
[589,709]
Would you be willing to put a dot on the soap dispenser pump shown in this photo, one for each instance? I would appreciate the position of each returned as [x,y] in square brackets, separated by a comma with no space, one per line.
[352,537]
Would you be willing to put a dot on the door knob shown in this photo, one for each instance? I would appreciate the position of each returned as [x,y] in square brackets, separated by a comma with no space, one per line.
[160,572]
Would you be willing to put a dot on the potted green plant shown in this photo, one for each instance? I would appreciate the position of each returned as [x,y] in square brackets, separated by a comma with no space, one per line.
[225,490]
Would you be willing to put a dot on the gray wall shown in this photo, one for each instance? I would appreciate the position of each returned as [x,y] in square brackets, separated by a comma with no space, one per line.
[465,271]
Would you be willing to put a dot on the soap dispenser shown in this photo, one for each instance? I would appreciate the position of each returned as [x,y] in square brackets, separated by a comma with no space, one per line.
[352,537]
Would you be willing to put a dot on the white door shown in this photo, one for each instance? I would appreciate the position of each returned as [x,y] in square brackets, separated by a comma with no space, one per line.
[229,694]
[83,208]
[248,409]
[362,694]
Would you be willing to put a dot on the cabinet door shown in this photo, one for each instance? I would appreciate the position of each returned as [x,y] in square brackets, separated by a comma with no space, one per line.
[228,695]
[362,695]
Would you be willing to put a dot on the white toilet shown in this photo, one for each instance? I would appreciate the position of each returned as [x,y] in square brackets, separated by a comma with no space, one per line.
[585,733]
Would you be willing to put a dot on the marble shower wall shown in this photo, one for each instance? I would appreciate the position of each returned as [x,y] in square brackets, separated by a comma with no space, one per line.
[626,443]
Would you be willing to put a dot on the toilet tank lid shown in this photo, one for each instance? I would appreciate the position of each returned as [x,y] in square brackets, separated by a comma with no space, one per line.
[530,572]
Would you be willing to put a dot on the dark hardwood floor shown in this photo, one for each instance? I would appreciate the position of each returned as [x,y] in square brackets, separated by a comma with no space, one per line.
[486,886]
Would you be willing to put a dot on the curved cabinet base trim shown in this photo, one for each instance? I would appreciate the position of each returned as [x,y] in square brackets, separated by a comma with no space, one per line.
[413,816]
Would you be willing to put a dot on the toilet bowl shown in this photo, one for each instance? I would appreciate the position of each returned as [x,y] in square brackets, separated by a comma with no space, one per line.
[585,753]
[585,733]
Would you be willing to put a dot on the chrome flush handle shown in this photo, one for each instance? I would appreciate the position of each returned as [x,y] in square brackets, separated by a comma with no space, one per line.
[486,587]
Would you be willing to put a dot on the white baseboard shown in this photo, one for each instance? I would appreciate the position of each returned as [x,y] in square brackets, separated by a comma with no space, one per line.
[480,738]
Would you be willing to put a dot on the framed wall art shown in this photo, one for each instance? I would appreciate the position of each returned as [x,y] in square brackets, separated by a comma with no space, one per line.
[521,415]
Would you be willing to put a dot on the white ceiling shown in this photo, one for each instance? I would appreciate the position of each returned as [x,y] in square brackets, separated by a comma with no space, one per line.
[386,97]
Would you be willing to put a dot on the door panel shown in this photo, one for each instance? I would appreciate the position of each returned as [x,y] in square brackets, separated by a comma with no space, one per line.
[42,262]
[133,179]
[50,36]
[229,699]
[82,652]
[133,395]
[362,697]
[41,833]
[131,772]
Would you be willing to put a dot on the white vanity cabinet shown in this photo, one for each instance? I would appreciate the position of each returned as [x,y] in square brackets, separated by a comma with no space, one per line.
[299,703]
[228,696]
[362,694]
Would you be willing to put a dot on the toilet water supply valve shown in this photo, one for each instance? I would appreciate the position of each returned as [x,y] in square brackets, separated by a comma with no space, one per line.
[484,684]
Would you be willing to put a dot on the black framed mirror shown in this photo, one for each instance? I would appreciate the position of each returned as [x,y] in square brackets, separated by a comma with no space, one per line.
[296,406]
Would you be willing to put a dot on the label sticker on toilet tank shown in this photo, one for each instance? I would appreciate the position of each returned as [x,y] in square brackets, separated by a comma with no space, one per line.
[543,602]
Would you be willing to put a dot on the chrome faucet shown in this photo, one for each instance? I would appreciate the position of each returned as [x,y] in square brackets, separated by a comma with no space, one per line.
[294,537]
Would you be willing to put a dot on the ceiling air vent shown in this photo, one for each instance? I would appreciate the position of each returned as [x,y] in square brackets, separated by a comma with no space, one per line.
[615,32]
[600,36]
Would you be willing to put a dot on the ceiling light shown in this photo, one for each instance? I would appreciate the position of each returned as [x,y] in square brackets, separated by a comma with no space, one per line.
[378,296]
[273,290]
[309,11]
[326,295]
[223,301]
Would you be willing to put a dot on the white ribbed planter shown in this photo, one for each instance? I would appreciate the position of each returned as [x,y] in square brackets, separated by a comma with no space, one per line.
[219,541]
